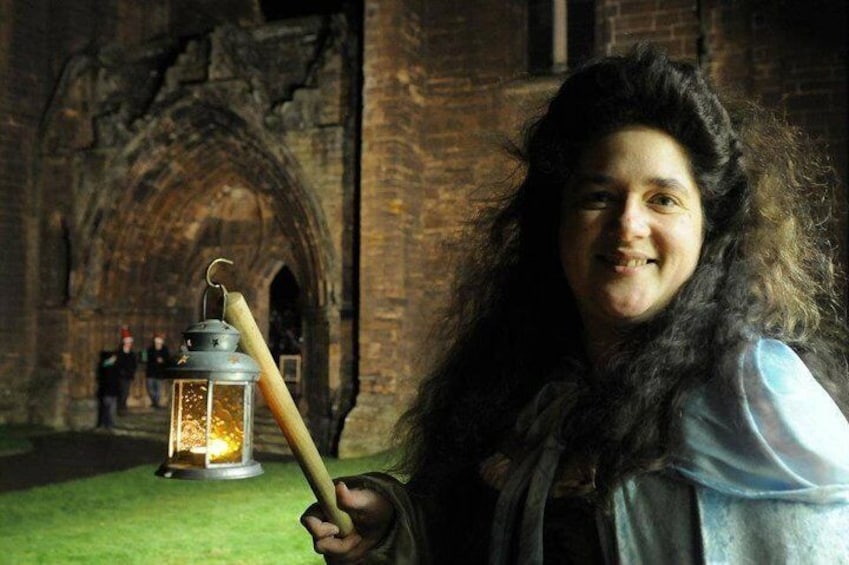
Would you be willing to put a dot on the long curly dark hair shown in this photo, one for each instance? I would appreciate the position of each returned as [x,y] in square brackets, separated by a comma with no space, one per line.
[766,269]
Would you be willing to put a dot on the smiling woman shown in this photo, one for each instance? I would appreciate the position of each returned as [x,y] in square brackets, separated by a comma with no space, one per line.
[630,231]
[648,361]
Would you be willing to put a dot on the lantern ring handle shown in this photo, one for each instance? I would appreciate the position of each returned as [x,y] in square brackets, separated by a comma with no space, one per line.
[214,262]
[213,284]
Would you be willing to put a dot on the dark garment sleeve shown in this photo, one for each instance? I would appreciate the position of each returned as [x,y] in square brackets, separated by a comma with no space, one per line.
[126,365]
[407,541]
[445,526]
[157,360]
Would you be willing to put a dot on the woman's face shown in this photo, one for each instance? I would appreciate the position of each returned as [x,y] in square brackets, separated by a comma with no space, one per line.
[630,228]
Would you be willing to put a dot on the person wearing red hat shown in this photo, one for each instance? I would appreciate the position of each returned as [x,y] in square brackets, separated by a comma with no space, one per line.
[125,367]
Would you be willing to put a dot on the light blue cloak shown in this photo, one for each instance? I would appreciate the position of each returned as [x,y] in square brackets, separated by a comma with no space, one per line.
[763,476]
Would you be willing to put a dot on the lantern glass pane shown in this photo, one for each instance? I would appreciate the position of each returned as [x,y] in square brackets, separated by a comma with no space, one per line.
[227,433]
[188,434]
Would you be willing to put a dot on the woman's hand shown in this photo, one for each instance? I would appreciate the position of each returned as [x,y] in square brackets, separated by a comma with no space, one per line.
[371,514]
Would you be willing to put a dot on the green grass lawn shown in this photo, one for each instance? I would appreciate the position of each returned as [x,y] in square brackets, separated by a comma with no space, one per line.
[135,517]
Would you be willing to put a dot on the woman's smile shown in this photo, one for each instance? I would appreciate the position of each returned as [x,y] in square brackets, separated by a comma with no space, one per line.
[625,263]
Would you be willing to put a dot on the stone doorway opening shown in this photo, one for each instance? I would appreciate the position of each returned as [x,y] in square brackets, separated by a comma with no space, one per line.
[285,329]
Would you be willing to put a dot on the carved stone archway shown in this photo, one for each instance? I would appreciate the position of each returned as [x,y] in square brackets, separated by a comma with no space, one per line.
[179,154]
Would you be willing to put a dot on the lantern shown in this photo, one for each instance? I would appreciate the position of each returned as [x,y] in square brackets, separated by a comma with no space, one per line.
[206,438]
[211,405]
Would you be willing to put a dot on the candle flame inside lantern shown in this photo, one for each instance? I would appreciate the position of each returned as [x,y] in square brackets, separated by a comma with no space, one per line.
[217,448]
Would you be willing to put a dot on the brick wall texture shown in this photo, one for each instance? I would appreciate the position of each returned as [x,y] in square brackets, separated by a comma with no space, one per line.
[466,66]
[140,140]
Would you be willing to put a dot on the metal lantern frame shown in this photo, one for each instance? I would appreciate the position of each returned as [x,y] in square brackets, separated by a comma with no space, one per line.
[212,401]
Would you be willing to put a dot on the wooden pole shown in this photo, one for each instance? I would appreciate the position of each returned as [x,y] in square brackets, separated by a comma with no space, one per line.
[285,411]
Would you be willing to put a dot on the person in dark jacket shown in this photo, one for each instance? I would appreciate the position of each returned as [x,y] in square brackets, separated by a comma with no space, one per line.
[125,368]
[157,358]
[108,390]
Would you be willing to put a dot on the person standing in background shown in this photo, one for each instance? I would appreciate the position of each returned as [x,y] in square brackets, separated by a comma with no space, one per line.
[125,367]
[157,358]
[108,391]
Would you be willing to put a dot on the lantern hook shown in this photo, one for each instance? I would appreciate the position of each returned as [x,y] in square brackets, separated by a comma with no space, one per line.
[213,284]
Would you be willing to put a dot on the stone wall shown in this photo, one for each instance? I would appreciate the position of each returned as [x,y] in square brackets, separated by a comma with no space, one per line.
[152,158]
[24,83]
[673,25]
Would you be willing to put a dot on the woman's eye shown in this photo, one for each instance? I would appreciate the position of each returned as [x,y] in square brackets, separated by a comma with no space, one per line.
[664,200]
[596,199]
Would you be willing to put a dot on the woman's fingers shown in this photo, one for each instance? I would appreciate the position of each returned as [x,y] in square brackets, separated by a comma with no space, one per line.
[337,547]
[354,502]
[318,528]
[325,541]
[368,509]
[315,521]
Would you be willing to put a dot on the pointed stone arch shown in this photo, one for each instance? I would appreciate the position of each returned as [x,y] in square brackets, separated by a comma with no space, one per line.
[206,166]
[199,184]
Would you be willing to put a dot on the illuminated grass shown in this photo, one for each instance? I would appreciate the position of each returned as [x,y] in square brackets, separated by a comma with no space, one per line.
[134,517]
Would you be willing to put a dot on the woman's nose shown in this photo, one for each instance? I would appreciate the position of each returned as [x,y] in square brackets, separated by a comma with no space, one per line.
[632,220]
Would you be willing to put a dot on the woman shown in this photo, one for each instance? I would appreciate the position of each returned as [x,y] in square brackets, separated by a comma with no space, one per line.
[647,364]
